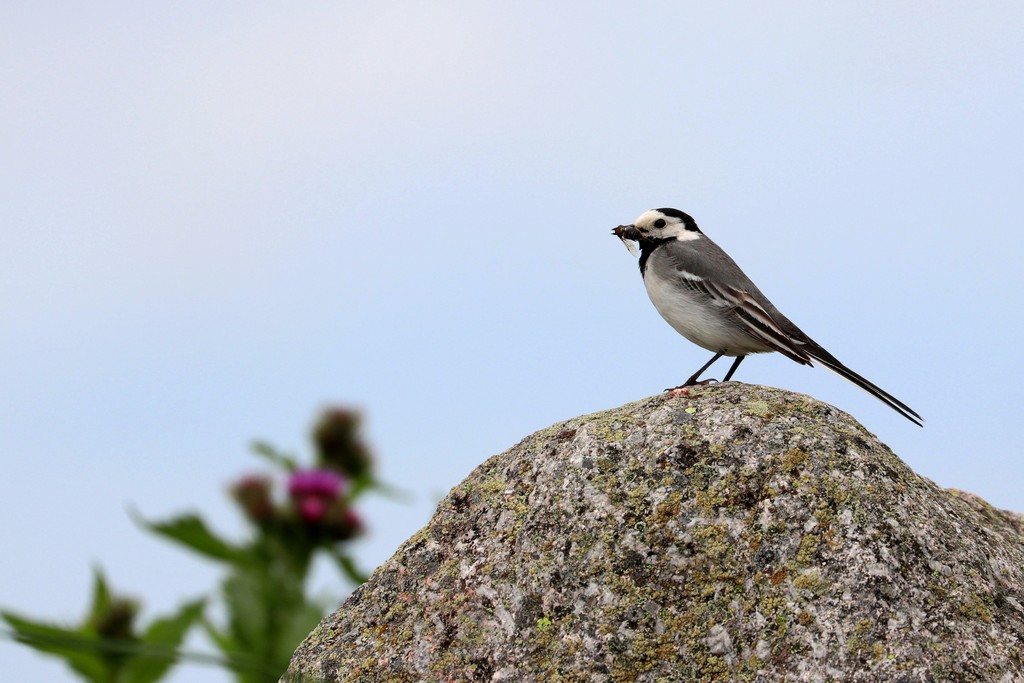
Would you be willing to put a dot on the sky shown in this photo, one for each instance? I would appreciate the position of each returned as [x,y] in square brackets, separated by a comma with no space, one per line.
[218,218]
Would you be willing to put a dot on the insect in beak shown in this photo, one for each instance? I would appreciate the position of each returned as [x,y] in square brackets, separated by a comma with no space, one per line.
[628,235]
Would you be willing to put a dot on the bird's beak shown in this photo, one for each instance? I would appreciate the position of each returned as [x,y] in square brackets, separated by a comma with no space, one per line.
[627,232]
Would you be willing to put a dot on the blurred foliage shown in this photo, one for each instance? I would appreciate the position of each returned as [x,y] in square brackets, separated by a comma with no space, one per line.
[106,647]
[263,594]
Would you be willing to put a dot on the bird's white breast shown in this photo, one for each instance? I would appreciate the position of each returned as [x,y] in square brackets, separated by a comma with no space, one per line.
[691,315]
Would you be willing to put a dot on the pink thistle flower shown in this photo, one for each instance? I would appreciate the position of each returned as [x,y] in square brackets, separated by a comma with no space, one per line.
[312,509]
[326,484]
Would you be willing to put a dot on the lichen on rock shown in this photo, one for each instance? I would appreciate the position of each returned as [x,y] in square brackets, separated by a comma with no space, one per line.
[738,533]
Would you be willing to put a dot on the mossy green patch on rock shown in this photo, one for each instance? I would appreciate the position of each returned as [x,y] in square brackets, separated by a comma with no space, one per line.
[737,533]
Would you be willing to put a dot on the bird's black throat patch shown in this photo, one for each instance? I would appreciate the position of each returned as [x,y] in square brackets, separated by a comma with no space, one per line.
[647,247]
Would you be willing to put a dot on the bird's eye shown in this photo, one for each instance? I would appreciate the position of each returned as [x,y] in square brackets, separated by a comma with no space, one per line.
[660,223]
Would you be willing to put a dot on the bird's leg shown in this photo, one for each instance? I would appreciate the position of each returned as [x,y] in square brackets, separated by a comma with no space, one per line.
[693,379]
[735,364]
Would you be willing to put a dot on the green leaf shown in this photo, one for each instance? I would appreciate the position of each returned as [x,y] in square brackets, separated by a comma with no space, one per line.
[79,649]
[299,623]
[159,645]
[366,482]
[100,595]
[248,602]
[282,460]
[268,616]
[221,639]
[191,532]
[348,568]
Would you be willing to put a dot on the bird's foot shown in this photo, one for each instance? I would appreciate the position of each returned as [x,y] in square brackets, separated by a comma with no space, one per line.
[684,389]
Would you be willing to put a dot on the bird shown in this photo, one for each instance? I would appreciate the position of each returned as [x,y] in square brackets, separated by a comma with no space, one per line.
[701,292]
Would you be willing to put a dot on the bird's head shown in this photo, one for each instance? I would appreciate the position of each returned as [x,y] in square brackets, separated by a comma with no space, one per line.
[657,225]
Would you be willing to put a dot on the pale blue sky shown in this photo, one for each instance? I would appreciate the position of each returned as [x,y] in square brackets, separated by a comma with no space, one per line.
[217,218]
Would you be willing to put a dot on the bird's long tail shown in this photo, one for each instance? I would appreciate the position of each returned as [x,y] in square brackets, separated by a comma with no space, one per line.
[823,359]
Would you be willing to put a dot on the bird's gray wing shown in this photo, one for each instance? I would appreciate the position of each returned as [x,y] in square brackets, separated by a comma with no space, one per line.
[701,266]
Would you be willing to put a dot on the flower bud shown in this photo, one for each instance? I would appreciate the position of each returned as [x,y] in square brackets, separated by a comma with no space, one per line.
[344,524]
[338,443]
[116,621]
[253,495]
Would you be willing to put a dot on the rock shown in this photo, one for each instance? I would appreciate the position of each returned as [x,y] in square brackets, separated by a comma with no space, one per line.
[738,533]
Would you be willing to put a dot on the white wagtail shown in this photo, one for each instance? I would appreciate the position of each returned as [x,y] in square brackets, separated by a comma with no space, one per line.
[705,297]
